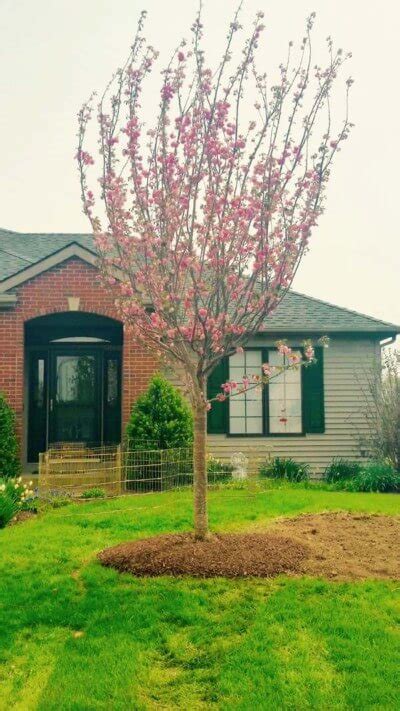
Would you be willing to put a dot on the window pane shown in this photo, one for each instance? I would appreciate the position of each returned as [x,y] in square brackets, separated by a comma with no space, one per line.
[254,425]
[237,408]
[253,358]
[237,360]
[112,382]
[288,407]
[237,374]
[293,408]
[39,389]
[237,425]
[254,408]
[276,425]
[284,394]
[246,410]
[254,394]
[76,379]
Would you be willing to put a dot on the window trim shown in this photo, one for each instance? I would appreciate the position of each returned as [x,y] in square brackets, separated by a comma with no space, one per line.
[265,350]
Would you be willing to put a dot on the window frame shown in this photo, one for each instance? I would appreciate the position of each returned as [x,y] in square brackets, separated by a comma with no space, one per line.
[265,350]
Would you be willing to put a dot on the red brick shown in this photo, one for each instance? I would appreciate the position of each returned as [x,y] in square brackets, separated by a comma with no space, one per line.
[47,294]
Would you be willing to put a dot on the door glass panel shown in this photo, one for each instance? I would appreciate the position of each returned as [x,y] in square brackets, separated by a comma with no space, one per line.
[112,398]
[37,406]
[75,379]
[112,381]
[76,416]
[39,389]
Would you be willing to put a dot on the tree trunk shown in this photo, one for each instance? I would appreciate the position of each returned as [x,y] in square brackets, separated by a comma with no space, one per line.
[200,472]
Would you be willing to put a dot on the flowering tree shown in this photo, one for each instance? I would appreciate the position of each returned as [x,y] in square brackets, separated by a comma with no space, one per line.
[202,218]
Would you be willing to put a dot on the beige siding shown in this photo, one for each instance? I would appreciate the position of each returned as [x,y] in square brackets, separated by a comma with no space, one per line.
[348,364]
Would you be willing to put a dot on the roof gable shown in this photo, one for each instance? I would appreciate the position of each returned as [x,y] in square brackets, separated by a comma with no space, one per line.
[19,251]
[33,270]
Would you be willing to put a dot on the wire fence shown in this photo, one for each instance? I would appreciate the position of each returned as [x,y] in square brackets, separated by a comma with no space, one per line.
[81,471]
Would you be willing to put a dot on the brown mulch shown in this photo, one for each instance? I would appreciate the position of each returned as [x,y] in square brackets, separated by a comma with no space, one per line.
[230,555]
[338,546]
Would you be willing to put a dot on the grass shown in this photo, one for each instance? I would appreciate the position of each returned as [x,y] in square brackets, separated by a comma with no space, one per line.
[76,636]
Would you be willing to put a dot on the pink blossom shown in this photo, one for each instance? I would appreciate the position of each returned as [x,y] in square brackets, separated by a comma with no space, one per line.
[284,349]
[85,157]
[167,92]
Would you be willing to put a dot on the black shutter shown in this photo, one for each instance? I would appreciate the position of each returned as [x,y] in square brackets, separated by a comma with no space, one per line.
[313,406]
[217,417]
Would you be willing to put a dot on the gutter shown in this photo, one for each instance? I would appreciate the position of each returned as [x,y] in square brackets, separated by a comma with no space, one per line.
[387,341]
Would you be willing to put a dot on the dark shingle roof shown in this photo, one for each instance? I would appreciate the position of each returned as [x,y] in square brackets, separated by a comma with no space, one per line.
[296,312]
[18,251]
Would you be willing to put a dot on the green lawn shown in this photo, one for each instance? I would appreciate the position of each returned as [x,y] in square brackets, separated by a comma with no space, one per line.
[77,636]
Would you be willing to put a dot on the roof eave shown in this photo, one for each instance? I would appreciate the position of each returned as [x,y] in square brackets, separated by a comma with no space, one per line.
[377,333]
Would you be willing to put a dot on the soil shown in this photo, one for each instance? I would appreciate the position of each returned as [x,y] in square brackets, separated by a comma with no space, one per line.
[338,546]
[346,546]
[22,516]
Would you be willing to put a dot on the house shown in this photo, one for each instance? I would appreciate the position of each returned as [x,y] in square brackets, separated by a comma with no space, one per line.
[71,371]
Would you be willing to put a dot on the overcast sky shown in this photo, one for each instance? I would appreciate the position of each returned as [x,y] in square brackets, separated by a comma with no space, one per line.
[54,52]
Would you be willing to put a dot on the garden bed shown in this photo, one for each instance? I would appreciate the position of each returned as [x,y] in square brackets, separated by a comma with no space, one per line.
[340,546]
[347,546]
[228,555]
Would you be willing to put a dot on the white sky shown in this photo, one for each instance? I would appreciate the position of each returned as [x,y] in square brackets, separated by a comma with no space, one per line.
[54,52]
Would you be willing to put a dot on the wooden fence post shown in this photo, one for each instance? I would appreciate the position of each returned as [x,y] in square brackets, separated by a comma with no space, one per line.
[118,466]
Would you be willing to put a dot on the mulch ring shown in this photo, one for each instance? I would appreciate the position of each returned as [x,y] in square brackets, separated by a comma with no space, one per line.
[340,546]
[230,555]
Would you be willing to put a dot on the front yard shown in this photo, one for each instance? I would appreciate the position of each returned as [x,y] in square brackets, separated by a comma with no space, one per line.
[78,636]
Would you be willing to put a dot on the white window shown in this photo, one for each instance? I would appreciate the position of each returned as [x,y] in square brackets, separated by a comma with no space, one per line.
[246,409]
[249,413]
[284,393]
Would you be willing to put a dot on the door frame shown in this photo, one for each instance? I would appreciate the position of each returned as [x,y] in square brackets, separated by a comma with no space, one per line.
[101,351]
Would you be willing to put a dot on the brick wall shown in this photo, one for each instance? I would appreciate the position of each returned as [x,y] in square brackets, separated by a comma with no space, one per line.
[46,294]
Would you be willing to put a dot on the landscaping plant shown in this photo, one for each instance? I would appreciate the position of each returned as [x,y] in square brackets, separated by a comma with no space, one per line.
[341,469]
[218,471]
[160,418]
[285,468]
[375,476]
[94,493]
[383,409]
[9,454]
[202,217]
[14,496]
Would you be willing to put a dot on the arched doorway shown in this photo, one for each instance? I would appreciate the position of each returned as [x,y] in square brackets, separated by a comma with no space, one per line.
[73,384]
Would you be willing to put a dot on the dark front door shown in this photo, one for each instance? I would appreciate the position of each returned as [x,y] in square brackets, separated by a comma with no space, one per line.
[75,396]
